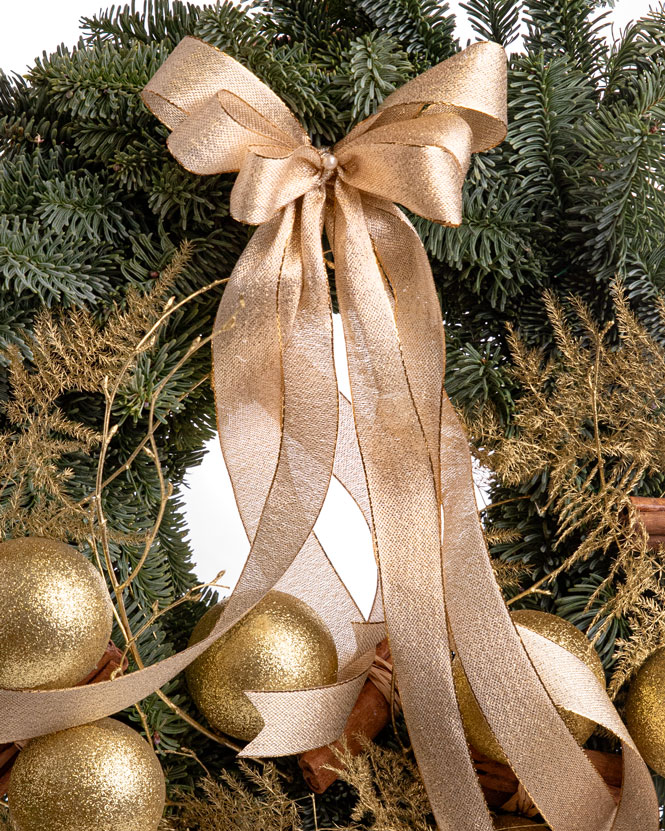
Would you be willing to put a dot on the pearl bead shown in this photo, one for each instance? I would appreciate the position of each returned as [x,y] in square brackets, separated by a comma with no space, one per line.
[329,161]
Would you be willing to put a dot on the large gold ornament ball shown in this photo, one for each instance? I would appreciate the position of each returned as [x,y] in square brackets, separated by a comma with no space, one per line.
[281,644]
[99,777]
[645,711]
[55,614]
[563,633]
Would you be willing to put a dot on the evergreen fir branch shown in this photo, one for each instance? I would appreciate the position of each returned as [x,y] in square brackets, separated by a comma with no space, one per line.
[175,196]
[496,20]
[552,98]
[28,118]
[305,90]
[24,178]
[619,193]
[15,325]
[58,269]
[227,26]
[101,81]
[158,21]
[474,377]
[631,54]
[376,66]
[645,283]
[585,605]
[84,207]
[13,89]
[102,141]
[567,27]
[424,28]
[132,164]
[313,24]
[496,249]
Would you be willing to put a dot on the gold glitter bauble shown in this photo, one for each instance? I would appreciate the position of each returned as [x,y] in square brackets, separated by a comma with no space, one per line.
[55,614]
[281,644]
[98,777]
[645,711]
[563,633]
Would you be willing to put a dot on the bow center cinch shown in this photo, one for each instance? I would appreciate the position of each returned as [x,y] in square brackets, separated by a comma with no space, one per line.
[272,176]
[329,162]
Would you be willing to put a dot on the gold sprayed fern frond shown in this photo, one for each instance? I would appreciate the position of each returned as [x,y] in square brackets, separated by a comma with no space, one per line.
[592,419]
[245,801]
[390,796]
[390,791]
[70,352]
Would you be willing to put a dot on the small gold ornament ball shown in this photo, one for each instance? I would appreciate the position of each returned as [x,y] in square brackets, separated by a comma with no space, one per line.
[563,633]
[645,711]
[99,777]
[55,614]
[281,644]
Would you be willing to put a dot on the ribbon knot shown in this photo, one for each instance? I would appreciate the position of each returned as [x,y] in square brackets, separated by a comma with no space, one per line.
[400,450]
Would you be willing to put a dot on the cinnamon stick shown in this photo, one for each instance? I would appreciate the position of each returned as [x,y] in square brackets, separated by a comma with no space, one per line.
[8,754]
[106,666]
[369,716]
[501,787]
[652,517]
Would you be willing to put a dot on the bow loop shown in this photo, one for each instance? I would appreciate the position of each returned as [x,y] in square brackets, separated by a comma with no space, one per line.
[471,84]
[197,71]
[217,136]
[415,149]
[419,163]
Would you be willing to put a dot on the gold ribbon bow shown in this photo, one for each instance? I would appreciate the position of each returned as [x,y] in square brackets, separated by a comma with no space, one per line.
[399,448]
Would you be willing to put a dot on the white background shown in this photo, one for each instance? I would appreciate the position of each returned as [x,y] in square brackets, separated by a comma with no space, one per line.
[27,27]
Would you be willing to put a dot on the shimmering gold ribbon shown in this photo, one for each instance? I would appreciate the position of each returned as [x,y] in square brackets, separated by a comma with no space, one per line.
[399,449]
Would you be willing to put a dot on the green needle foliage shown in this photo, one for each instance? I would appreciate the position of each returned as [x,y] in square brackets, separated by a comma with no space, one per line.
[93,209]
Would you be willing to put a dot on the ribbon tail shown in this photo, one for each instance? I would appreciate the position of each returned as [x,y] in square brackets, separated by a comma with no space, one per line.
[269,379]
[276,394]
[406,269]
[350,473]
[574,686]
[406,522]
[510,693]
